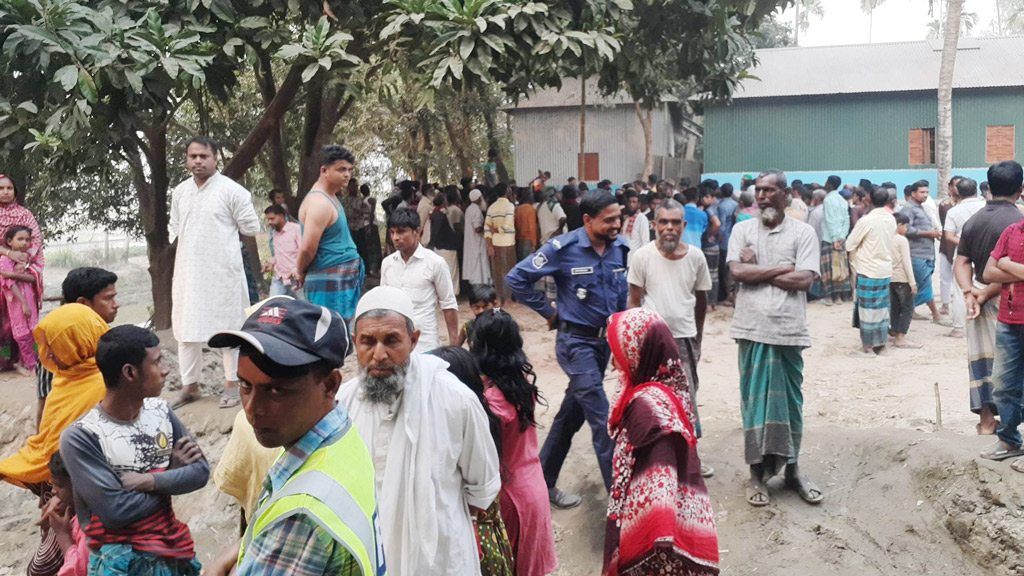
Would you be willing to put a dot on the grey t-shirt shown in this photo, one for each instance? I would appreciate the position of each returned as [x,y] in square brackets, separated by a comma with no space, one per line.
[920,247]
[98,487]
[765,313]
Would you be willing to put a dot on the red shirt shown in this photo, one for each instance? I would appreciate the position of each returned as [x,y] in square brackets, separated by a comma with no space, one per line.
[1011,301]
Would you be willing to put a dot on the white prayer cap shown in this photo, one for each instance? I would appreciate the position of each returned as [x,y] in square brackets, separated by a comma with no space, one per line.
[386,298]
[474,195]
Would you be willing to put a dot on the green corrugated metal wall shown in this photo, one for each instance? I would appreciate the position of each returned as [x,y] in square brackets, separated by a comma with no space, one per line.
[974,110]
[851,132]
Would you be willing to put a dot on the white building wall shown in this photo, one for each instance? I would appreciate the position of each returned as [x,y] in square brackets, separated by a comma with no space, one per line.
[548,139]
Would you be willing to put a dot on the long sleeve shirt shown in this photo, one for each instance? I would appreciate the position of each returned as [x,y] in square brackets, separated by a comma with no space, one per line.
[836,222]
[591,287]
[920,246]
[96,464]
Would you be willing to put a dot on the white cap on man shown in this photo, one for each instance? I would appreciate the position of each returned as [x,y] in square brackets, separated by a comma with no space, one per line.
[386,298]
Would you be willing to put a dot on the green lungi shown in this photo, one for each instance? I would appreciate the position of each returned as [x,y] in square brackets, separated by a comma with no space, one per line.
[771,401]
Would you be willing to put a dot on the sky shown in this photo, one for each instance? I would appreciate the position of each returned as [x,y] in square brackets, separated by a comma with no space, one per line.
[893,21]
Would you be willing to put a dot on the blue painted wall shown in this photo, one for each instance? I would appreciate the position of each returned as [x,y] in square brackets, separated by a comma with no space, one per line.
[900,177]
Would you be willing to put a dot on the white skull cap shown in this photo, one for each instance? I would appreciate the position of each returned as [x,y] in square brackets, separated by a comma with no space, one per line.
[386,298]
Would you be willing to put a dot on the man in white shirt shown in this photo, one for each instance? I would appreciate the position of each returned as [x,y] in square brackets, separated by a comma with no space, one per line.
[436,464]
[970,204]
[635,226]
[423,276]
[210,295]
[672,278]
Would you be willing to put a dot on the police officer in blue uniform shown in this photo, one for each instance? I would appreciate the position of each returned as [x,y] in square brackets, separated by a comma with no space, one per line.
[589,268]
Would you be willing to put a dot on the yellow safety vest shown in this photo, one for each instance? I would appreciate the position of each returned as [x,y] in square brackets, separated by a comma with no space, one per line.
[335,488]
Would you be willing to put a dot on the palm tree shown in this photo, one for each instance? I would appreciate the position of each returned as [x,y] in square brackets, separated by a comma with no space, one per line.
[869,6]
[968,21]
[804,10]
[944,138]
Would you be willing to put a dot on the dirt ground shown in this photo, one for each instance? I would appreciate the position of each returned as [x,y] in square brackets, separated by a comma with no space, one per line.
[902,497]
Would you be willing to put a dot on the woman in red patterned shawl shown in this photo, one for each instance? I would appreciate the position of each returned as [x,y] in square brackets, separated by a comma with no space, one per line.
[14,214]
[659,514]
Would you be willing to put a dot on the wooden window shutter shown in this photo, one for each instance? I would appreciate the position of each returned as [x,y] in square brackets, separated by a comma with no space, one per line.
[921,146]
[591,166]
[999,143]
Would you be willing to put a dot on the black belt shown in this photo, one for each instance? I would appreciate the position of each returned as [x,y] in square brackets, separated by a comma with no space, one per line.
[582,329]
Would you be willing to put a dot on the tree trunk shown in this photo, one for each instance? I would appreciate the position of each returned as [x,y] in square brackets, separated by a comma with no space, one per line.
[458,146]
[580,161]
[492,143]
[646,117]
[324,109]
[245,155]
[152,196]
[944,138]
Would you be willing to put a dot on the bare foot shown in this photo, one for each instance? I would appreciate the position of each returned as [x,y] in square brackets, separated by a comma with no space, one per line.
[22,370]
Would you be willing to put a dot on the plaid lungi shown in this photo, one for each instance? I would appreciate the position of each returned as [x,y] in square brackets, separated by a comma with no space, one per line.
[871,313]
[337,288]
[981,347]
[771,401]
[829,287]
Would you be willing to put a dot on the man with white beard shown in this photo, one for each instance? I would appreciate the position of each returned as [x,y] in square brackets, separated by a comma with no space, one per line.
[435,462]
[672,278]
[775,260]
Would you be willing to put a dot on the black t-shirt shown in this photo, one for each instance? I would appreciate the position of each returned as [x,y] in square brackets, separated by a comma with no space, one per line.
[573,216]
[442,237]
[982,231]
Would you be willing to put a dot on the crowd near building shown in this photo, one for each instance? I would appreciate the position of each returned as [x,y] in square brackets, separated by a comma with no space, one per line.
[428,461]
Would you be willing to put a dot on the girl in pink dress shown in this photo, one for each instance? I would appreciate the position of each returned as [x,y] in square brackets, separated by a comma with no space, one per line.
[512,396]
[20,285]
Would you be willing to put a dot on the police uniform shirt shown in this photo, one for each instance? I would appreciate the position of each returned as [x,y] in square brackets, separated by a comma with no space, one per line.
[591,287]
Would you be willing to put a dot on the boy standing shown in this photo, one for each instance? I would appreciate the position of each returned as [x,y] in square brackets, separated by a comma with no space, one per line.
[285,237]
[902,289]
[127,457]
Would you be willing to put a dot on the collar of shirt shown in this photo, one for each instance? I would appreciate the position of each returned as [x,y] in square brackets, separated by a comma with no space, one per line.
[326,431]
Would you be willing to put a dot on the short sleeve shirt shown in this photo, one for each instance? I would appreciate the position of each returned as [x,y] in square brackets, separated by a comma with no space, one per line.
[981,233]
[765,313]
[1011,301]
[670,286]
[696,224]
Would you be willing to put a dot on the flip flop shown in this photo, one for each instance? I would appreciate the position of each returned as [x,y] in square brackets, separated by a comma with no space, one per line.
[706,471]
[909,346]
[997,452]
[804,487]
[229,399]
[1017,465]
[755,490]
[858,353]
[184,401]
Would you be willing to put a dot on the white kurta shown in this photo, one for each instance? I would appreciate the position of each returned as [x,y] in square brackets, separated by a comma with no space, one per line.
[439,461]
[476,266]
[209,288]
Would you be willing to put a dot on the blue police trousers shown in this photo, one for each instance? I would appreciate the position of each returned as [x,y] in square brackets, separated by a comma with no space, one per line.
[584,360]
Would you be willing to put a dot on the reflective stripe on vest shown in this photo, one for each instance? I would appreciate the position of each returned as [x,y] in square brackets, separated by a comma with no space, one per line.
[315,491]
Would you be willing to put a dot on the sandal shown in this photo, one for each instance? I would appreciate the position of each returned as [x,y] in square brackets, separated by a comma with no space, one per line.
[706,471]
[858,353]
[1018,465]
[229,398]
[998,451]
[807,490]
[757,494]
[185,398]
[908,346]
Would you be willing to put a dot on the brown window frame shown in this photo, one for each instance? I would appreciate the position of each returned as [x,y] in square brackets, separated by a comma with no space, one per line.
[590,163]
[1005,148]
[924,139]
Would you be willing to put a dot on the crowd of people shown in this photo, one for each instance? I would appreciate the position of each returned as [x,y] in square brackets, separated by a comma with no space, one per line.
[428,461]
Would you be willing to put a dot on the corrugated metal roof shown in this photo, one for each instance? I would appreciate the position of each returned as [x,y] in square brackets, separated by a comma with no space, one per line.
[569,96]
[891,67]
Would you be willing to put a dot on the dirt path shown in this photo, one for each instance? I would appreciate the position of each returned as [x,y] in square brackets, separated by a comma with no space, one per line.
[901,498]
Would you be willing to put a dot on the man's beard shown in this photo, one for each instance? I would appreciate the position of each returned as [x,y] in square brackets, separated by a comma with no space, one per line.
[770,216]
[383,390]
[668,246]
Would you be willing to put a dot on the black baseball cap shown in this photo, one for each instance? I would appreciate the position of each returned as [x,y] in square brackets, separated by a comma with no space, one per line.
[291,332]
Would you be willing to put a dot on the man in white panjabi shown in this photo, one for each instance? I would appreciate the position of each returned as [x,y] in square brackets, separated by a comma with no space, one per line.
[476,266]
[436,464]
[208,212]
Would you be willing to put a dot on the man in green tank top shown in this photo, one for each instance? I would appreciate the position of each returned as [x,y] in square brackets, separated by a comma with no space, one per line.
[330,269]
